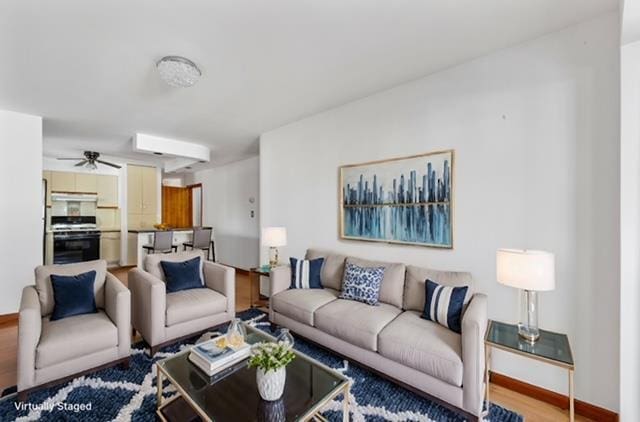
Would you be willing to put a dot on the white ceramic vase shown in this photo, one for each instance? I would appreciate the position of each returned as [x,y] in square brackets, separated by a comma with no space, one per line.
[271,383]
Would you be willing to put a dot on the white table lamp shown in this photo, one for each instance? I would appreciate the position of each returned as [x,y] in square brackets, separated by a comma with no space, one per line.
[274,237]
[531,271]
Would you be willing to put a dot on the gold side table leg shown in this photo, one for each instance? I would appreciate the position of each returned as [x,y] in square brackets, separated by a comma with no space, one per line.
[345,404]
[571,397]
[487,365]
[159,380]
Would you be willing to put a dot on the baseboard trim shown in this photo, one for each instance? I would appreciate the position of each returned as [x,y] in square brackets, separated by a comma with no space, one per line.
[9,318]
[582,408]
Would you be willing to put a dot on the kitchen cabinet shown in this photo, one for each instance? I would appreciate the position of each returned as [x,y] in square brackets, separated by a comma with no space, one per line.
[142,196]
[107,189]
[110,247]
[46,175]
[62,181]
[48,252]
[86,183]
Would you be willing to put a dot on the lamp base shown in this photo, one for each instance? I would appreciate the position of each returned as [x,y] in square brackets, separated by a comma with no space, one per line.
[273,256]
[528,325]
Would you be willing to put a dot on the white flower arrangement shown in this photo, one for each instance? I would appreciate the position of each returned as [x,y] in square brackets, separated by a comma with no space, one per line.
[271,356]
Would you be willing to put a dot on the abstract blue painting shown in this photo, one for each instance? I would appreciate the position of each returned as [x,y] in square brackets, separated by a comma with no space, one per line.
[402,200]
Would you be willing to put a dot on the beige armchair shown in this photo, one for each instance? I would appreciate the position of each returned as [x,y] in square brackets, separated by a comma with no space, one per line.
[162,318]
[50,352]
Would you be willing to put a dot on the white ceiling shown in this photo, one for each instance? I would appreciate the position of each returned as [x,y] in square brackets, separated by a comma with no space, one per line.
[89,67]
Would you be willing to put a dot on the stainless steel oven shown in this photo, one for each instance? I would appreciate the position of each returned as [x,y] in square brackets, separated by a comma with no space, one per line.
[75,239]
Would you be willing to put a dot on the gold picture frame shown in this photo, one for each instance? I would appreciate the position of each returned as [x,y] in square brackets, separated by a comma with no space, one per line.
[386,203]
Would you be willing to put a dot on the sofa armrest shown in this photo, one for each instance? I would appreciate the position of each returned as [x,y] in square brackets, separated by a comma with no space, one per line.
[29,329]
[222,279]
[279,280]
[117,305]
[474,326]
[148,305]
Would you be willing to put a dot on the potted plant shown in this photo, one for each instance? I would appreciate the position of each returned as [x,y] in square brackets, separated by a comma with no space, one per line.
[271,359]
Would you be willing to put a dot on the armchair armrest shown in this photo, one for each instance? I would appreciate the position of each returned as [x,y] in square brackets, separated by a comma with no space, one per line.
[474,326]
[117,305]
[279,280]
[29,330]
[148,305]
[222,279]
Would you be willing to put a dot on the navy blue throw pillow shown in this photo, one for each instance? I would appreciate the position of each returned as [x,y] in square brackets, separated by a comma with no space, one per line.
[444,305]
[305,274]
[73,295]
[182,275]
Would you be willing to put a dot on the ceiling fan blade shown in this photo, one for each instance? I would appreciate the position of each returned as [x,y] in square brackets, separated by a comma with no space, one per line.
[109,164]
[81,163]
[75,159]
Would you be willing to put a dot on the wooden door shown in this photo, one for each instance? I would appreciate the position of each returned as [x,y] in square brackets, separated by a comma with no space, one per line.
[176,207]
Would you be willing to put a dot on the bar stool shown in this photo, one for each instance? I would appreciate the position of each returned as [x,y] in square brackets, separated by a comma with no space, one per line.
[162,243]
[202,240]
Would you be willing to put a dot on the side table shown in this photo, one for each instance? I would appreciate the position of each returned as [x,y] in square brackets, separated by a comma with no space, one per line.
[552,348]
[254,280]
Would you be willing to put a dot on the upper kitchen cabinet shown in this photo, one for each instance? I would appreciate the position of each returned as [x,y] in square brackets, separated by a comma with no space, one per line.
[86,183]
[107,188]
[142,196]
[46,175]
[61,181]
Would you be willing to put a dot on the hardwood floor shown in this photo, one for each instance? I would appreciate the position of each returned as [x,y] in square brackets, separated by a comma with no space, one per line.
[531,409]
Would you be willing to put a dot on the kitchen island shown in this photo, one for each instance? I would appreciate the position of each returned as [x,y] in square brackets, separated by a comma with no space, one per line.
[137,238]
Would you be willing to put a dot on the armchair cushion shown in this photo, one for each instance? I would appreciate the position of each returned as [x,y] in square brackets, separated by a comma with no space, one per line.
[152,262]
[73,295]
[45,289]
[187,305]
[183,275]
[73,337]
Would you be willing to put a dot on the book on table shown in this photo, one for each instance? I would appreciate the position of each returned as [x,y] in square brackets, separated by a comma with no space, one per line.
[216,354]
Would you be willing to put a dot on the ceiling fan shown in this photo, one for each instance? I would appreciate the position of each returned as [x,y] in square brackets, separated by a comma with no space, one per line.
[90,159]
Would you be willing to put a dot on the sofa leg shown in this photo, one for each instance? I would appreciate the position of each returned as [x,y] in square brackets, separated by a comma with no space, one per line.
[23,396]
[152,351]
[125,364]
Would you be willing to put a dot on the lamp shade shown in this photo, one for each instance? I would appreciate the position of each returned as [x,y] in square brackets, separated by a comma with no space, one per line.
[525,269]
[274,236]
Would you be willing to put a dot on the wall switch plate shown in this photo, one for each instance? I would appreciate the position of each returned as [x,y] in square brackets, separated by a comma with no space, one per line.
[252,213]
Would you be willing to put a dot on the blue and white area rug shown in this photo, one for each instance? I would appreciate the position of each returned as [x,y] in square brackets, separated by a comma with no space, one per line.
[130,394]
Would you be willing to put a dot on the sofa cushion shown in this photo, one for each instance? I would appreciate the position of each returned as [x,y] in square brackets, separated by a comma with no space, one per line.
[73,295]
[305,273]
[392,287]
[444,305]
[183,275]
[414,289]
[187,305]
[355,322]
[362,283]
[73,337]
[300,304]
[152,261]
[332,269]
[423,345]
[45,290]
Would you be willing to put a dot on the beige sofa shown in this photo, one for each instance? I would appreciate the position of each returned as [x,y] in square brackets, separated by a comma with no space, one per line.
[52,351]
[162,318]
[391,338]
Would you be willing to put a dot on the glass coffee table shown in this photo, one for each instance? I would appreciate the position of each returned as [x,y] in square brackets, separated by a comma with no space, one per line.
[232,395]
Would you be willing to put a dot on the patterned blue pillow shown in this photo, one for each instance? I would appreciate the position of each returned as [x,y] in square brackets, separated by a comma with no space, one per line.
[444,305]
[362,283]
[305,274]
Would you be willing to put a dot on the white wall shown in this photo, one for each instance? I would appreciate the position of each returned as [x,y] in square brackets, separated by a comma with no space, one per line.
[21,205]
[226,192]
[535,130]
[630,228]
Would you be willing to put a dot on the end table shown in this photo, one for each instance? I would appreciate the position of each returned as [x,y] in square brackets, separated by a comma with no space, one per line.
[254,280]
[552,348]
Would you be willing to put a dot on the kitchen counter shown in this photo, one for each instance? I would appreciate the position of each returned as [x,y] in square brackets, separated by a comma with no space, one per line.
[153,230]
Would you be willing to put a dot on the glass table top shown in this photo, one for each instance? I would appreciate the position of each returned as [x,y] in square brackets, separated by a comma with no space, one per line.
[233,395]
[552,347]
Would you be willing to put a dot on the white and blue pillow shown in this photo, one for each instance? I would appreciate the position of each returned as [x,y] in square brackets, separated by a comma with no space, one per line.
[362,283]
[444,305]
[305,273]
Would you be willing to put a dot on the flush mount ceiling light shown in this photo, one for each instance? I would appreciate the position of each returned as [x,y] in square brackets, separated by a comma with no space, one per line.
[178,71]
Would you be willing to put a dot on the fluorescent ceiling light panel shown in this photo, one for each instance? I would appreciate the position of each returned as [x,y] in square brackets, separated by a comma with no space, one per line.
[185,153]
